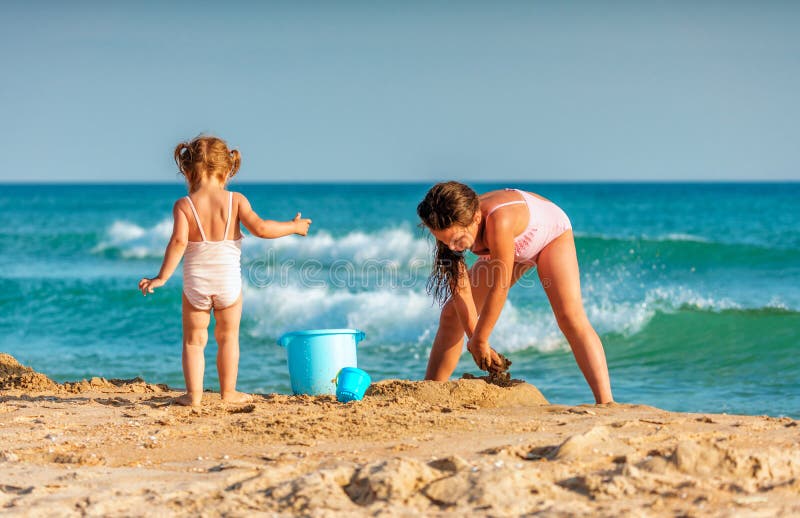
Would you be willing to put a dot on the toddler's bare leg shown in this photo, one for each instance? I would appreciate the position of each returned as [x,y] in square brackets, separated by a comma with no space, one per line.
[227,335]
[195,336]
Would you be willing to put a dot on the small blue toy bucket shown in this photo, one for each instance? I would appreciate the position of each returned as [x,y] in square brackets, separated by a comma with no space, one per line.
[316,356]
[351,384]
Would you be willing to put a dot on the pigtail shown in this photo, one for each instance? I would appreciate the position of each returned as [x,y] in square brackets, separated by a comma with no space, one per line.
[236,157]
[183,156]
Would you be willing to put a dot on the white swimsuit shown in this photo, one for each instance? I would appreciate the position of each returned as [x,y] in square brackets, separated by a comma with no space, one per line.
[212,272]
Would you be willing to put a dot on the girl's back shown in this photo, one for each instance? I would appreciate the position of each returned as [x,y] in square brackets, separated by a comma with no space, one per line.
[212,212]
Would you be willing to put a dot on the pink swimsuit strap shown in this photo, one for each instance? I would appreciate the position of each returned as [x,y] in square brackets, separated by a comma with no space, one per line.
[506,204]
[523,201]
[200,226]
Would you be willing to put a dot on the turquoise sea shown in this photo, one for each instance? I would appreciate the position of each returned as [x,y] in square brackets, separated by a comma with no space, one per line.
[693,288]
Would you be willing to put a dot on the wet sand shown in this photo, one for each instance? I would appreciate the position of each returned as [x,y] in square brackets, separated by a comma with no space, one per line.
[119,447]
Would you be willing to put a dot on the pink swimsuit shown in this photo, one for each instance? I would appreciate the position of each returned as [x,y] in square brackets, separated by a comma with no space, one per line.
[212,272]
[546,222]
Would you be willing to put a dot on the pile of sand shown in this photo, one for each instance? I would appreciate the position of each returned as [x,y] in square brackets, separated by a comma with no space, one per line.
[475,392]
[15,376]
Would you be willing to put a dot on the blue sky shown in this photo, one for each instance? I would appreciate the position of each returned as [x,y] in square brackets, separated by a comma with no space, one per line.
[403,91]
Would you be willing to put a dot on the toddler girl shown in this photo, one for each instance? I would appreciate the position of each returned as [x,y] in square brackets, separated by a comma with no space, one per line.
[206,234]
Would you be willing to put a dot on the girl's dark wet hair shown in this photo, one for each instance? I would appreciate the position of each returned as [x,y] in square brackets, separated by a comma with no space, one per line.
[445,205]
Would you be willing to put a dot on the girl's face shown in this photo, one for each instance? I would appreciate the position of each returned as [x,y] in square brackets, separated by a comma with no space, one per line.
[459,238]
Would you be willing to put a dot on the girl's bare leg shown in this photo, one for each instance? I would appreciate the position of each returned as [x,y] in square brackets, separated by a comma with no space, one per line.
[558,271]
[226,333]
[195,337]
[449,341]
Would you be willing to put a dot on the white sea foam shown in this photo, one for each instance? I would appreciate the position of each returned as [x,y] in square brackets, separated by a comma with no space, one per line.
[777,303]
[630,317]
[677,297]
[395,246]
[387,316]
[408,316]
[398,247]
[135,242]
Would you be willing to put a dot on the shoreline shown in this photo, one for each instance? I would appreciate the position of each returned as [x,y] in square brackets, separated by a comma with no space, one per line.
[120,447]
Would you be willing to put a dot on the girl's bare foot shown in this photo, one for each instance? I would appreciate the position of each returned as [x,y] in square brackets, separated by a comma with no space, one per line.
[187,400]
[237,397]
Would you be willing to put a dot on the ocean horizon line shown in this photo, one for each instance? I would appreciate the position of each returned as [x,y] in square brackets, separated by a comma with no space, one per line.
[85,183]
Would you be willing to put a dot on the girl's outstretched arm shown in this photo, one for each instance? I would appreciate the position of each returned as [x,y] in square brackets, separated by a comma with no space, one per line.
[266,228]
[174,252]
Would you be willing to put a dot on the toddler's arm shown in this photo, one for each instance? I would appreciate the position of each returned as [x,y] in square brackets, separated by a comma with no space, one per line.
[173,253]
[266,228]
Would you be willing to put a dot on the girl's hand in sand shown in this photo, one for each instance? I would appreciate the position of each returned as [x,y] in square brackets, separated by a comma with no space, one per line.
[148,285]
[301,225]
[485,357]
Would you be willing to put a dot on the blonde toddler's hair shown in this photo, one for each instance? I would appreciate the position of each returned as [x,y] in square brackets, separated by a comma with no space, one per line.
[206,156]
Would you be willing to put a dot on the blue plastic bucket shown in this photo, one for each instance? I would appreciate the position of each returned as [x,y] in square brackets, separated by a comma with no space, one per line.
[351,384]
[316,356]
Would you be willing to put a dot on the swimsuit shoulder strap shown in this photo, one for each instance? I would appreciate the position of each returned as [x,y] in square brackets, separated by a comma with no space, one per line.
[228,223]
[503,205]
[197,219]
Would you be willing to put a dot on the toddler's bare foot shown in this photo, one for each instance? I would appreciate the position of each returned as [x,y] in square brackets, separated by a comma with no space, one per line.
[187,400]
[237,397]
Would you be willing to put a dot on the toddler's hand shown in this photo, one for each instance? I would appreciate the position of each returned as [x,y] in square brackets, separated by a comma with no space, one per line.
[301,225]
[148,285]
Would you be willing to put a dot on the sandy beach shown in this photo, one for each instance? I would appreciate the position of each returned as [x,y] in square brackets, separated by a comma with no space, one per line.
[119,447]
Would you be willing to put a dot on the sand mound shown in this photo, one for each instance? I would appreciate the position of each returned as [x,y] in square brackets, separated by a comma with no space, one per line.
[15,376]
[136,385]
[465,392]
[9,366]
